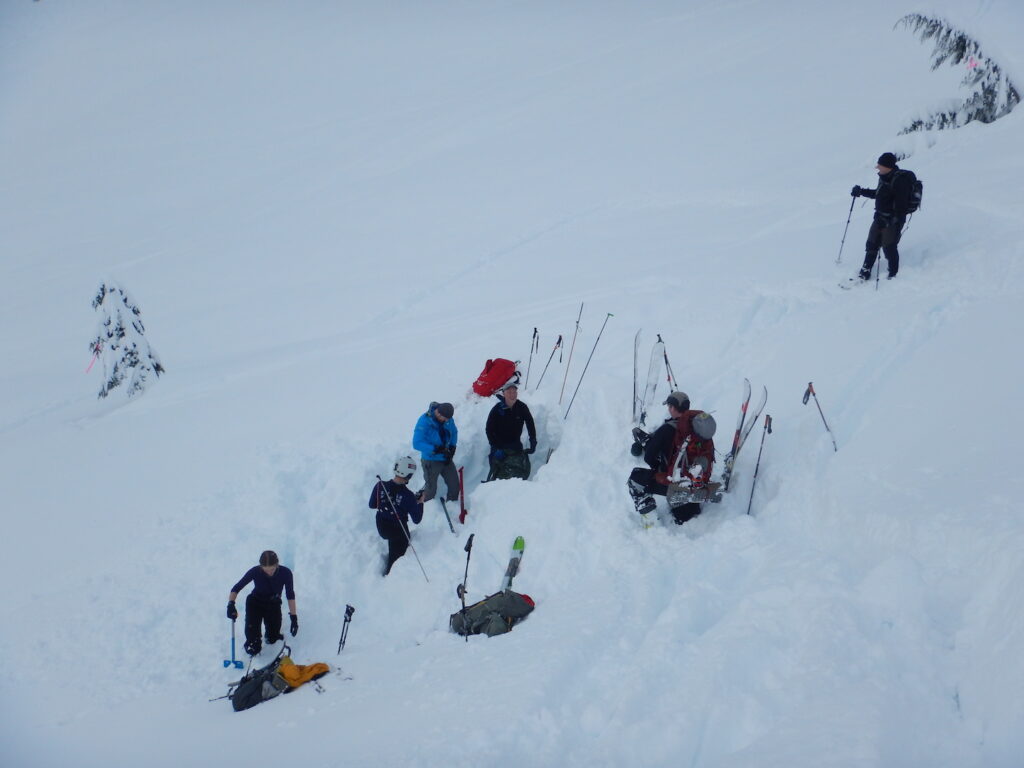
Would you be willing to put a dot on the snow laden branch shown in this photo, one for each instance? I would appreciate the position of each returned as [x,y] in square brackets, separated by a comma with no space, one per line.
[120,342]
[992,95]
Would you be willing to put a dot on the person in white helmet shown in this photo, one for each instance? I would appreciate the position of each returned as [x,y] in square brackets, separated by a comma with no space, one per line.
[395,504]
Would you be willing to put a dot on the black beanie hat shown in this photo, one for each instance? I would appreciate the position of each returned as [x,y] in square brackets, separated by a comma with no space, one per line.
[446,410]
[887,160]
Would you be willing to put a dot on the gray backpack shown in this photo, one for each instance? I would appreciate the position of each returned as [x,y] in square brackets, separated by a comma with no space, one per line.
[494,615]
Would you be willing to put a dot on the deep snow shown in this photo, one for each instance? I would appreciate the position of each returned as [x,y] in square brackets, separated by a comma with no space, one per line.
[332,213]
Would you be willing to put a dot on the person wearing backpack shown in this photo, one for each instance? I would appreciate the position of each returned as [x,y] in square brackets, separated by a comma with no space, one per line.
[435,437]
[693,453]
[893,201]
[263,605]
[395,504]
[658,450]
[504,431]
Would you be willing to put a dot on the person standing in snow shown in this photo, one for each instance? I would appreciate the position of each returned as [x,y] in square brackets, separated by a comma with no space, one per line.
[435,437]
[504,430]
[395,504]
[263,605]
[892,202]
[658,452]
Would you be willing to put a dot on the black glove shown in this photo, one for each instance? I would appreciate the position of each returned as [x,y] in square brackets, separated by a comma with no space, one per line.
[232,611]
[449,453]
[855,191]
[295,625]
[533,447]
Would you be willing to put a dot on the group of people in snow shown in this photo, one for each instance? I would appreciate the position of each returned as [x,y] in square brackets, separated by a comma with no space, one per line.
[436,437]
[682,448]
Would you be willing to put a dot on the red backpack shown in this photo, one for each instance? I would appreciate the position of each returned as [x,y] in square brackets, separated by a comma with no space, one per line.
[495,375]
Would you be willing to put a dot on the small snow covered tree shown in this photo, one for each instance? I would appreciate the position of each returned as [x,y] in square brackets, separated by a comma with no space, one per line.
[992,95]
[120,342]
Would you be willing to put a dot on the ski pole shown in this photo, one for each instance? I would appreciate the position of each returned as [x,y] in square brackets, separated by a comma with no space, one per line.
[236,663]
[569,361]
[447,517]
[461,590]
[558,345]
[573,399]
[534,345]
[637,402]
[349,610]
[839,258]
[767,431]
[394,511]
[810,391]
[668,368]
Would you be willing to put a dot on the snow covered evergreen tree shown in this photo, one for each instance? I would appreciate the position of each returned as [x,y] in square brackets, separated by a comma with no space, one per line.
[120,342]
[992,95]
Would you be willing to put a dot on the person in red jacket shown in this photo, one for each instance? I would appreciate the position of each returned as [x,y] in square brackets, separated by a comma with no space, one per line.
[692,457]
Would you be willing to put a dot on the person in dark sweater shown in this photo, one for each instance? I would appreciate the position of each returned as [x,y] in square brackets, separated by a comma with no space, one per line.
[395,504]
[504,430]
[892,201]
[263,605]
[658,453]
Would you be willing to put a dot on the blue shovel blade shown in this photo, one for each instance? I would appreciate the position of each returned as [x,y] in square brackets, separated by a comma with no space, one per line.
[227,662]
[239,664]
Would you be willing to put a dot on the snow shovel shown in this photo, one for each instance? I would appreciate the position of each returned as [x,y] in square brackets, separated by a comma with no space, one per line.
[233,661]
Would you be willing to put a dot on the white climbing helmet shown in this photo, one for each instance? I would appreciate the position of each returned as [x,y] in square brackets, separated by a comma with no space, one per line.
[405,467]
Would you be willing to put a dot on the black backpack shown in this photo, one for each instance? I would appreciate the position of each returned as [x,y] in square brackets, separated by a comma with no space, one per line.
[260,685]
[916,192]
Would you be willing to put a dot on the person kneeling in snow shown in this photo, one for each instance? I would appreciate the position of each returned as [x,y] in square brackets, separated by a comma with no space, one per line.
[504,430]
[263,605]
[694,453]
[395,504]
[658,452]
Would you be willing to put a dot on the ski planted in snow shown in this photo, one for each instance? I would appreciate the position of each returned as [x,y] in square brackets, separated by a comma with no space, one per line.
[653,376]
[518,548]
[740,437]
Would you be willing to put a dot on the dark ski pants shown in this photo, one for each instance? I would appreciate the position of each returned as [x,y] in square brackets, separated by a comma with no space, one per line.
[390,530]
[642,482]
[261,611]
[516,463]
[886,238]
[642,485]
[434,469]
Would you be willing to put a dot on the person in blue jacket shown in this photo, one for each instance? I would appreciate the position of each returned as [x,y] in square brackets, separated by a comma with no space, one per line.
[395,504]
[263,605]
[435,438]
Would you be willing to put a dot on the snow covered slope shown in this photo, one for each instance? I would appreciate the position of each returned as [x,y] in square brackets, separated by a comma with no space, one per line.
[331,214]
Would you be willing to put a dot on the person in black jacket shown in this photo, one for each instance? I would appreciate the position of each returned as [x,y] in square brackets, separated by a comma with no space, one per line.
[892,201]
[657,454]
[263,605]
[504,430]
[395,504]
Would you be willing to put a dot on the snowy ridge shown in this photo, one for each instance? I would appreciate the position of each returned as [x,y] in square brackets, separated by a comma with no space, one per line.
[331,217]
